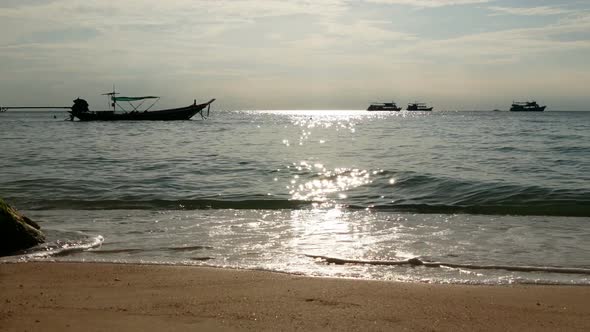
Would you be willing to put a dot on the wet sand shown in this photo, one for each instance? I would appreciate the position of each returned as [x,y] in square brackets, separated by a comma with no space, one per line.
[125,297]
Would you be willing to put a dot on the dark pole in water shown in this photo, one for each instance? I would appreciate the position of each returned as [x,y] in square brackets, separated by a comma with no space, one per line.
[32,107]
[4,109]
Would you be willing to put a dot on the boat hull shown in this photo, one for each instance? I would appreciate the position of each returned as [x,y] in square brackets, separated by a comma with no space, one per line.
[522,109]
[173,114]
[390,109]
[428,109]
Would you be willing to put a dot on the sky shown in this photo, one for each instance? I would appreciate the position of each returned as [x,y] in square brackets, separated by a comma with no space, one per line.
[297,54]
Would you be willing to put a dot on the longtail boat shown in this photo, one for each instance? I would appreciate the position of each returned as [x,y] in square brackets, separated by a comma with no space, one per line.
[132,112]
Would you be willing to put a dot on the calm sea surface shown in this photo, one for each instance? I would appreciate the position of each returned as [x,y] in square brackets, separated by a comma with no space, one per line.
[264,189]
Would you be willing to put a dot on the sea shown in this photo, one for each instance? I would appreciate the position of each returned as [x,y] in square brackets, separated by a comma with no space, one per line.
[474,197]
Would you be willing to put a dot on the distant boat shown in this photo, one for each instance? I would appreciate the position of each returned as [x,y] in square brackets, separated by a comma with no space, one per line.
[527,106]
[418,107]
[384,107]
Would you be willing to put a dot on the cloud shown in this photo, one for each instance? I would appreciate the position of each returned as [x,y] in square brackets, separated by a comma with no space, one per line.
[512,45]
[529,11]
[350,35]
[428,3]
[109,15]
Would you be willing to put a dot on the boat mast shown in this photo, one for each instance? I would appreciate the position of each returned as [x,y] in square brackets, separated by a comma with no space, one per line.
[111,98]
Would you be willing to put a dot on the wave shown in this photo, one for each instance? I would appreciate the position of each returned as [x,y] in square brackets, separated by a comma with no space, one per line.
[59,248]
[162,204]
[563,208]
[381,191]
[418,262]
[436,194]
[136,250]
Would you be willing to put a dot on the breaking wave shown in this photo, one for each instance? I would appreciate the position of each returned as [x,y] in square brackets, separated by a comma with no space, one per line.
[384,191]
[58,248]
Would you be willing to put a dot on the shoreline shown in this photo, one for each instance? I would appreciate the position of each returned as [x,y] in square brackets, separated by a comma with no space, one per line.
[328,261]
[132,297]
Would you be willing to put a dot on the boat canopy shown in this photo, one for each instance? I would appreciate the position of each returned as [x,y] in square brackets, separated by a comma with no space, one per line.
[133,98]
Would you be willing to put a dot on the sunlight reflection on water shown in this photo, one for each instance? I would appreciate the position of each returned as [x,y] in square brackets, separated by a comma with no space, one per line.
[337,180]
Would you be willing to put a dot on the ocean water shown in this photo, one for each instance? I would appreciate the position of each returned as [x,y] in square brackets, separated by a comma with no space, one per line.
[490,197]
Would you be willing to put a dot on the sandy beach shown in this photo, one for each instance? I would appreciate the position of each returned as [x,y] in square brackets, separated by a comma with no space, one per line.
[118,297]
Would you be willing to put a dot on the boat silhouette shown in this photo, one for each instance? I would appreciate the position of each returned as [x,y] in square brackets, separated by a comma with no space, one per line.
[526,106]
[418,107]
[384,107]
[131,112]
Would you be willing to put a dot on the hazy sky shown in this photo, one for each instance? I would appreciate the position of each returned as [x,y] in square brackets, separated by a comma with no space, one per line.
[297,54]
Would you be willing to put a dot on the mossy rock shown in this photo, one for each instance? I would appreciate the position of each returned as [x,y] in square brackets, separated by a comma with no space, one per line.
[17,232]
